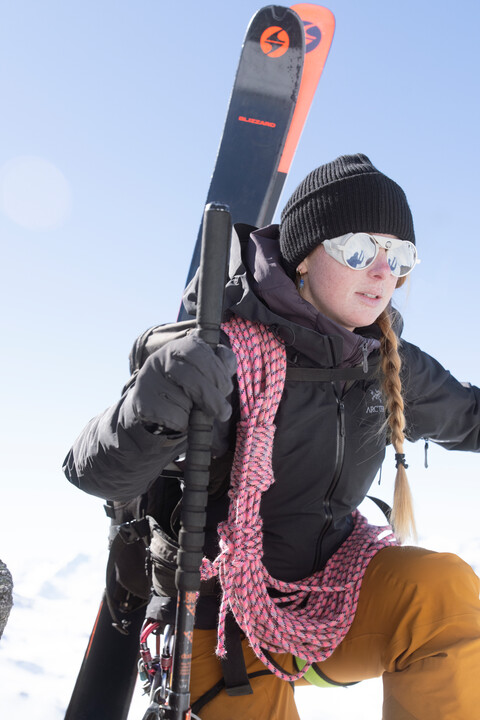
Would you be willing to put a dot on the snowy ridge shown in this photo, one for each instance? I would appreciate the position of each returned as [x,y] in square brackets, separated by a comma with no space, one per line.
[43,644]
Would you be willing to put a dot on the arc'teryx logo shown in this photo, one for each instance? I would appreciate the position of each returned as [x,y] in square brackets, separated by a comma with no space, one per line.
[274,41]
[313,36]
[375,397]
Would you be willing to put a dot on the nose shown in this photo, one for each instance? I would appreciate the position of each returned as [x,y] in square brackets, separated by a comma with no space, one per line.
[380,266]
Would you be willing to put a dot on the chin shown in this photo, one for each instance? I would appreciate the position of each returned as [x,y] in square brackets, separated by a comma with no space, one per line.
[366,321]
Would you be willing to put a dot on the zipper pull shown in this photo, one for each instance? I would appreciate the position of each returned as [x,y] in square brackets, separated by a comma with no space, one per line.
[380,474]
[365,357]
[341,407]
[426,452]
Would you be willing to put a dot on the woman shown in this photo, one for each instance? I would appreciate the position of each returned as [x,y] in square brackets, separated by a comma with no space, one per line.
[322,384]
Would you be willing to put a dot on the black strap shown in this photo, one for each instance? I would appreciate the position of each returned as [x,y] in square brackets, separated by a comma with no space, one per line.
[218,687]
[235,680]
[110,509]
[233,665]
[206,697]
[135,530]
[331,374]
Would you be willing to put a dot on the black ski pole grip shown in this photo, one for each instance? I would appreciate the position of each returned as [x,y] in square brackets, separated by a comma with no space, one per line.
[212,275]
[217,227]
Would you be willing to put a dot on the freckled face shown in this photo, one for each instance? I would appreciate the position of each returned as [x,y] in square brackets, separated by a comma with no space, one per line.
[353,298]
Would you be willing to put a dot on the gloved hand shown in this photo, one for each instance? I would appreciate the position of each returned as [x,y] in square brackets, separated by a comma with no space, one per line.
[184,372]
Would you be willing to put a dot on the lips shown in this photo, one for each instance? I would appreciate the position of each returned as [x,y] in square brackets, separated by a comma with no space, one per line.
[370,299]
[371,296]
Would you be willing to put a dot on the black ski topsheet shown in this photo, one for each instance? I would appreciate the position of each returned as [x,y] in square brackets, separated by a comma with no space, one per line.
[258,119]
[108,673]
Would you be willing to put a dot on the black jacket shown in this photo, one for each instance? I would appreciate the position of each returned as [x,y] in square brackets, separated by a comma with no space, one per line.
[330,438]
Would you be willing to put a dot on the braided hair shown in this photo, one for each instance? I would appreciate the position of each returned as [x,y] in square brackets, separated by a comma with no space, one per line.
[402,518]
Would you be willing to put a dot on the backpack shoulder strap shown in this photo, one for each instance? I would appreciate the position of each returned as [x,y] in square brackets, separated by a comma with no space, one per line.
[156,337]
[299,374]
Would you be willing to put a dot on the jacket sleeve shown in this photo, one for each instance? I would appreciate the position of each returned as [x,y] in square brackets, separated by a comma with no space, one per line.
[437,406]
[115,457]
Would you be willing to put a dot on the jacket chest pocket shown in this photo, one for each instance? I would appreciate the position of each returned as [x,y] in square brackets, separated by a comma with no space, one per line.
[365,417]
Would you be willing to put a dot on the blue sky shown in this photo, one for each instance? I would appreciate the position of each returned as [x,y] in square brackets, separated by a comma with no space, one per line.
[111,117]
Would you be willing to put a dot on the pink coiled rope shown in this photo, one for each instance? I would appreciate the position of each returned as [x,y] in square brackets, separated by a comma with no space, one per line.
[312,616]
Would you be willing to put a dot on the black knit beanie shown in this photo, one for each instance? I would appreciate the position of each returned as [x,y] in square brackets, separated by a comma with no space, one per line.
[346,195]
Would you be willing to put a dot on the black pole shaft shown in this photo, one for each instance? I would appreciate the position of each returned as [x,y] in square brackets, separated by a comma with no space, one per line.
[213,271]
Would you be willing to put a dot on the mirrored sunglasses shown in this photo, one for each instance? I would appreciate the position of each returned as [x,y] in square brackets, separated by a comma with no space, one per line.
[358,250]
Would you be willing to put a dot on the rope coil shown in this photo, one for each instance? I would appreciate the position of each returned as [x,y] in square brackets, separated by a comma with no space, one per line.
[308,618]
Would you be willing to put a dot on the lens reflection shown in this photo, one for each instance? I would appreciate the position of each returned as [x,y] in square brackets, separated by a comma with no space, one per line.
[402,258]
[360,250]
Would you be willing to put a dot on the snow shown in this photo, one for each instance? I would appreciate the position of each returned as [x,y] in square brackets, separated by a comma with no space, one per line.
[48,630]
[57,588]
[58,567]
[55,602]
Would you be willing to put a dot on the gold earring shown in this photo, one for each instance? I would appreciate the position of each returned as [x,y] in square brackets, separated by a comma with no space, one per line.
[301,281]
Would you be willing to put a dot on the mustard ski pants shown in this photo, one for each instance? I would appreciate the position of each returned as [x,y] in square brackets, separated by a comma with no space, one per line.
[417,624]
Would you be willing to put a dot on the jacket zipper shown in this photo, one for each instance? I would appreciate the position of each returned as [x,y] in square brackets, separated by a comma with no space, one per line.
[340,455]
[365,357]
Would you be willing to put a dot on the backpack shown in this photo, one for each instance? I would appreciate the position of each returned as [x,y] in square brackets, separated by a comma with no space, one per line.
[143,539]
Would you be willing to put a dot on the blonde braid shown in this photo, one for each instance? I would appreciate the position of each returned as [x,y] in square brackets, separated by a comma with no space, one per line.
[402,519]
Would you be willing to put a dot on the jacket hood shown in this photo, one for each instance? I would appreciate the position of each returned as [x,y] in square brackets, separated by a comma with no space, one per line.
[260,290]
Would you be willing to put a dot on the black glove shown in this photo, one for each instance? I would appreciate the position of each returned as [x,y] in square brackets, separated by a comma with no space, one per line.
[183,373]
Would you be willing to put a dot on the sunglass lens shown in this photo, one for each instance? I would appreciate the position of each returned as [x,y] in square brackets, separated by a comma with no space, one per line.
[359,252]
[402,259]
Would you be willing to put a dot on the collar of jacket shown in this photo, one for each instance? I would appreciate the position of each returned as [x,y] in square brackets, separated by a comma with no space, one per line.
[270,296]
[260,290]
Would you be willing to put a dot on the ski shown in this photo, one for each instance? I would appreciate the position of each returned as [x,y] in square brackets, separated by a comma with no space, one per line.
[243,182]
[268,107]
[269,70]
[108,673]
[319,24]
[258,118]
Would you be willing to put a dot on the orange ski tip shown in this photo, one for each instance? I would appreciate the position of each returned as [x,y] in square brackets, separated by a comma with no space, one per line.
[318,14]
[274,41]
[319,24]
